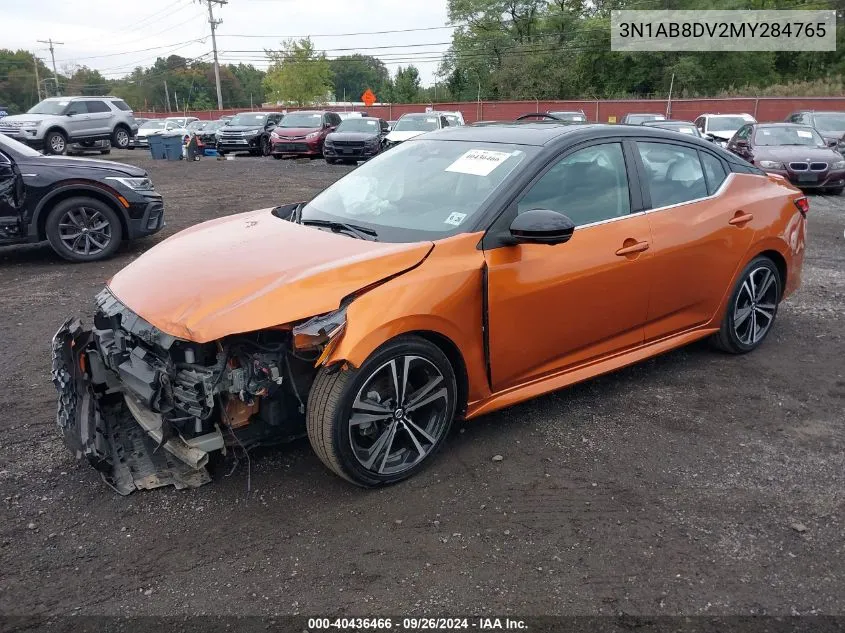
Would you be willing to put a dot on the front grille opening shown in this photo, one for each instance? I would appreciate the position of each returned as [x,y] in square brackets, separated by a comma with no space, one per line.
[798,166]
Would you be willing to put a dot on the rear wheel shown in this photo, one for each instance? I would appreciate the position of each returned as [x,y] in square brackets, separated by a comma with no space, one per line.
[752,308]
[381,423]
[120,137]
[55,142]
[265,146]
[83,229]
[331,161]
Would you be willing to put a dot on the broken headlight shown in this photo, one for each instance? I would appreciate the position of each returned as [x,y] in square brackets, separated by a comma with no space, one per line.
[320,333]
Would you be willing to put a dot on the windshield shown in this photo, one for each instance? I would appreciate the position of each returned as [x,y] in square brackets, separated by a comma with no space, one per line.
[255,120]
[787,136]
[197,125]
[213,126]
[49,107]
[419,190]
[416,123]
[452,119]
[833,122]
[569,116]
[683,128]
[154,124]
[641,118]
[726,123]
[359,125]
[302,119]
[16,147]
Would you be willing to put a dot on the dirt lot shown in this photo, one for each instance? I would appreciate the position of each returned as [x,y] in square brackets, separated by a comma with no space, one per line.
[695,483]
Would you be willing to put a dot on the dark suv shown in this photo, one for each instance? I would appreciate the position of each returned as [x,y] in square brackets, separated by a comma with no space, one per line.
[248,132]
[831,125]
[83,207]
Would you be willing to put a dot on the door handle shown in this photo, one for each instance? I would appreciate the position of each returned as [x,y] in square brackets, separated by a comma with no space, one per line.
[635,247]
[741,218]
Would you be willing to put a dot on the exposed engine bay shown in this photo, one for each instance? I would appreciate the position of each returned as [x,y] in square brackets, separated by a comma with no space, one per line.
[147,409]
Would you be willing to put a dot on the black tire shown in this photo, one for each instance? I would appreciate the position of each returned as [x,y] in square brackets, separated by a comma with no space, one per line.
[105,151]
[120,137]
[60,227]
[55,142]
[330,407]
[756,296]
[278,156]
[264,146]
[331,161]
[836,191]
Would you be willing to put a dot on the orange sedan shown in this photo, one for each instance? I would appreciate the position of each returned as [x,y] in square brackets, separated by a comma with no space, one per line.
[459,273]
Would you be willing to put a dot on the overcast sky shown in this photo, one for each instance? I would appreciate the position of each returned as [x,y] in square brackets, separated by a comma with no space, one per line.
[113,36]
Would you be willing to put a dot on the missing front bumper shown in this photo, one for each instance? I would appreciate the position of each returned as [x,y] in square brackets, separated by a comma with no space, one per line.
[107,435]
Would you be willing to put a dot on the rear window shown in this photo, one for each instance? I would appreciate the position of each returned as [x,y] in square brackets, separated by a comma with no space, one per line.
[120,104]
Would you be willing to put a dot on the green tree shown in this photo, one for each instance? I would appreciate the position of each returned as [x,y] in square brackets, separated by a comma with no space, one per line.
[353,74]
[251,80]
[85,81]
[297,74]
[17,80]
[406,85]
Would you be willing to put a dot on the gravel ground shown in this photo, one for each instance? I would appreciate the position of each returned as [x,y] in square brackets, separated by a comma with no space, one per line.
[694,483]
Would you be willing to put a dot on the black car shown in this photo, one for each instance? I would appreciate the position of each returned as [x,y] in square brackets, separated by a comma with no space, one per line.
[355,139]
[637,118]
[831,125]
[83,207]
[248,132]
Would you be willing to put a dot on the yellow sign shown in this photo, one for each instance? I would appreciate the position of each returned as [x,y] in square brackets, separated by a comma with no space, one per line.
[611,119]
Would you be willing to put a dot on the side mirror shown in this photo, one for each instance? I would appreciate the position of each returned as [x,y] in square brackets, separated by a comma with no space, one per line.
[541,226]
[832,143]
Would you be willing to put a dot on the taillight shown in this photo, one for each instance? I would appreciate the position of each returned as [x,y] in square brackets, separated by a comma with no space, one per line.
[803,205]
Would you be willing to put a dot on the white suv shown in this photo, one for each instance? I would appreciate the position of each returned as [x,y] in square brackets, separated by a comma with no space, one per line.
[719,128]
[56,122]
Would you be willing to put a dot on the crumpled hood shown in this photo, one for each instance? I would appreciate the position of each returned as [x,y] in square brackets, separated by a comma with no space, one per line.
[251,271]
[398,137]
[723,135]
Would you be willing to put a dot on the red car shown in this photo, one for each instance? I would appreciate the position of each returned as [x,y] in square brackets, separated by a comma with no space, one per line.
[303,133]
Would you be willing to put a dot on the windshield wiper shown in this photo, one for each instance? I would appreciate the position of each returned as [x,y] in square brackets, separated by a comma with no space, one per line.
[360,232]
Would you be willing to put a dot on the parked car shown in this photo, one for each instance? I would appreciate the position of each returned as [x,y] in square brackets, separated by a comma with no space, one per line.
[355,139]
[719,128]
[141,120]
[454,118]
[303,133]
[684,127]
[410,125]
[831,126]
[101,147]
[355,318]
[350,115]
[248,132]
[182,121]
[208,133]
[196,126]
[570,116]
[82,206]
[796,152]
[53,123]
[641,117]
[154,126]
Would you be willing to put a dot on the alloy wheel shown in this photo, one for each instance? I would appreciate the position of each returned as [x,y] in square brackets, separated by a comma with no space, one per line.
[122,138]
[57,144]
[399,415]
[85,231]
[755,306]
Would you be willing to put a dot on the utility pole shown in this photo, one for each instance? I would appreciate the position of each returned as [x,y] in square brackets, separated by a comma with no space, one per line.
[214,24]
[53,55]
[37,83]
[166,95]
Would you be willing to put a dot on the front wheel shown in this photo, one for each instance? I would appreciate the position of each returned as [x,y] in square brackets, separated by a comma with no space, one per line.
[265,146]
[752,308]
[381,423]
[83,229]
[331,161]
[55,142]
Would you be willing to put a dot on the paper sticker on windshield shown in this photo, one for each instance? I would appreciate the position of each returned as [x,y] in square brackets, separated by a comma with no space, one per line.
[455,218]
[478,162]
[804,133]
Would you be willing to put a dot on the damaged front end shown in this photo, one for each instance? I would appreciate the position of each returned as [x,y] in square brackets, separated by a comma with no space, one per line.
[147,409]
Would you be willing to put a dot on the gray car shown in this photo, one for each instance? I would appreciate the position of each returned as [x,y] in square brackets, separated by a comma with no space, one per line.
[56,122]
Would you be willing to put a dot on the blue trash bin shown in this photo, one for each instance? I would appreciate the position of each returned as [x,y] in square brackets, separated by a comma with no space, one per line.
[156,146]
[172,146]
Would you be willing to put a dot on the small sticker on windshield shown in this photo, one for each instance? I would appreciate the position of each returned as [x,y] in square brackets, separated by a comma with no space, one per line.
[804,133]
[686,130]
[478,162]
[455,218]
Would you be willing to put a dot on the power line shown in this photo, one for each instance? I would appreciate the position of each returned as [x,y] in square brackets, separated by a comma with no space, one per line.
[295,37]
[213,23]
[53,55]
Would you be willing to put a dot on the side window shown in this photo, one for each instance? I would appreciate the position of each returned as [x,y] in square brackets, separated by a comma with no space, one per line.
[744,132]
[97,106]
[714,170]
[120,104]
[673,173]
[588,186]
[699,123]
[77,107]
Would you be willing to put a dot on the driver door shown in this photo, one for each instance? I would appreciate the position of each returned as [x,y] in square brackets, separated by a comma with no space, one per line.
[77,121]
[557,307]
